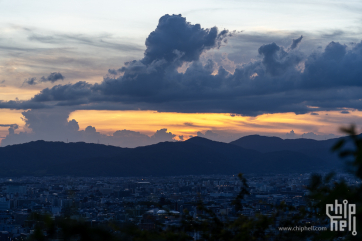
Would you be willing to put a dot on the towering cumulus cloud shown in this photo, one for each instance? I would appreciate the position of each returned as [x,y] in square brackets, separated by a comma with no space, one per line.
[281,79]
[12,128]
[53,125]
[177,40]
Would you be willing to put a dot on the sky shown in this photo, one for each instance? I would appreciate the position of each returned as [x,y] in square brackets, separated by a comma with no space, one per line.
[133,73]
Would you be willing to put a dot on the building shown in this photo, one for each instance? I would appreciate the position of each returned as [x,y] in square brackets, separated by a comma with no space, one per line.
[4,205]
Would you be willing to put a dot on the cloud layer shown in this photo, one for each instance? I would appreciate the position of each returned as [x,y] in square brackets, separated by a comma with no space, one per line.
[282,79]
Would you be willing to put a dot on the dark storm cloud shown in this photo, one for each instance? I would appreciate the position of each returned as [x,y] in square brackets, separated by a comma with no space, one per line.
[30,81]
[176,39]
[22,105]
[335,67]
[69,92]
[242,47]
[296,42]
[276,60]
[283,79]
[53,77]
[112,71]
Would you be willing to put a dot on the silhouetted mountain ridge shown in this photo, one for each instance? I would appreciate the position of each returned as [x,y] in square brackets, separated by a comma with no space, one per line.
[312,148]
[267,144]
[192,157]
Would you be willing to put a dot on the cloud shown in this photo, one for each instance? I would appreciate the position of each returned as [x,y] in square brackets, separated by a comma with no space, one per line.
[296,42]
[208,134]
[280,79]
[162,135]
[12,127]
[344,112]
[53,125]
[112,71]
[222,136]
[177,40]
[53,77]
[22,105]
[313,113]
[94,41]
[68,92]
[309,135]
[276,60]
[30,81]
[72,55]
[291,135]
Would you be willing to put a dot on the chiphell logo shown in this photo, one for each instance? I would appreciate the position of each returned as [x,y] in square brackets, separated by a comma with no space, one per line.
[344,216]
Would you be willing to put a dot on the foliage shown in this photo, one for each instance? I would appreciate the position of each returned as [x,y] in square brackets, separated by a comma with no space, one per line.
[325,190]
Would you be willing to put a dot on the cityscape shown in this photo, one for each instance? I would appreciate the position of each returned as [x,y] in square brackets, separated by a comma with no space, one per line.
[100,200]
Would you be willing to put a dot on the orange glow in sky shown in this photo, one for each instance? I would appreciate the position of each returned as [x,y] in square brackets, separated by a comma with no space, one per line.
[188,124]
[11,93]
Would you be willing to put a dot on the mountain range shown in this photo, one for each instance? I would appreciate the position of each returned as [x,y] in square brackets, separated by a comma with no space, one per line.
[250,154]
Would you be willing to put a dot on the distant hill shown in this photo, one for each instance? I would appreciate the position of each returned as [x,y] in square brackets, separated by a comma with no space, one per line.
[313,148]
[267,144]
[192,157]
